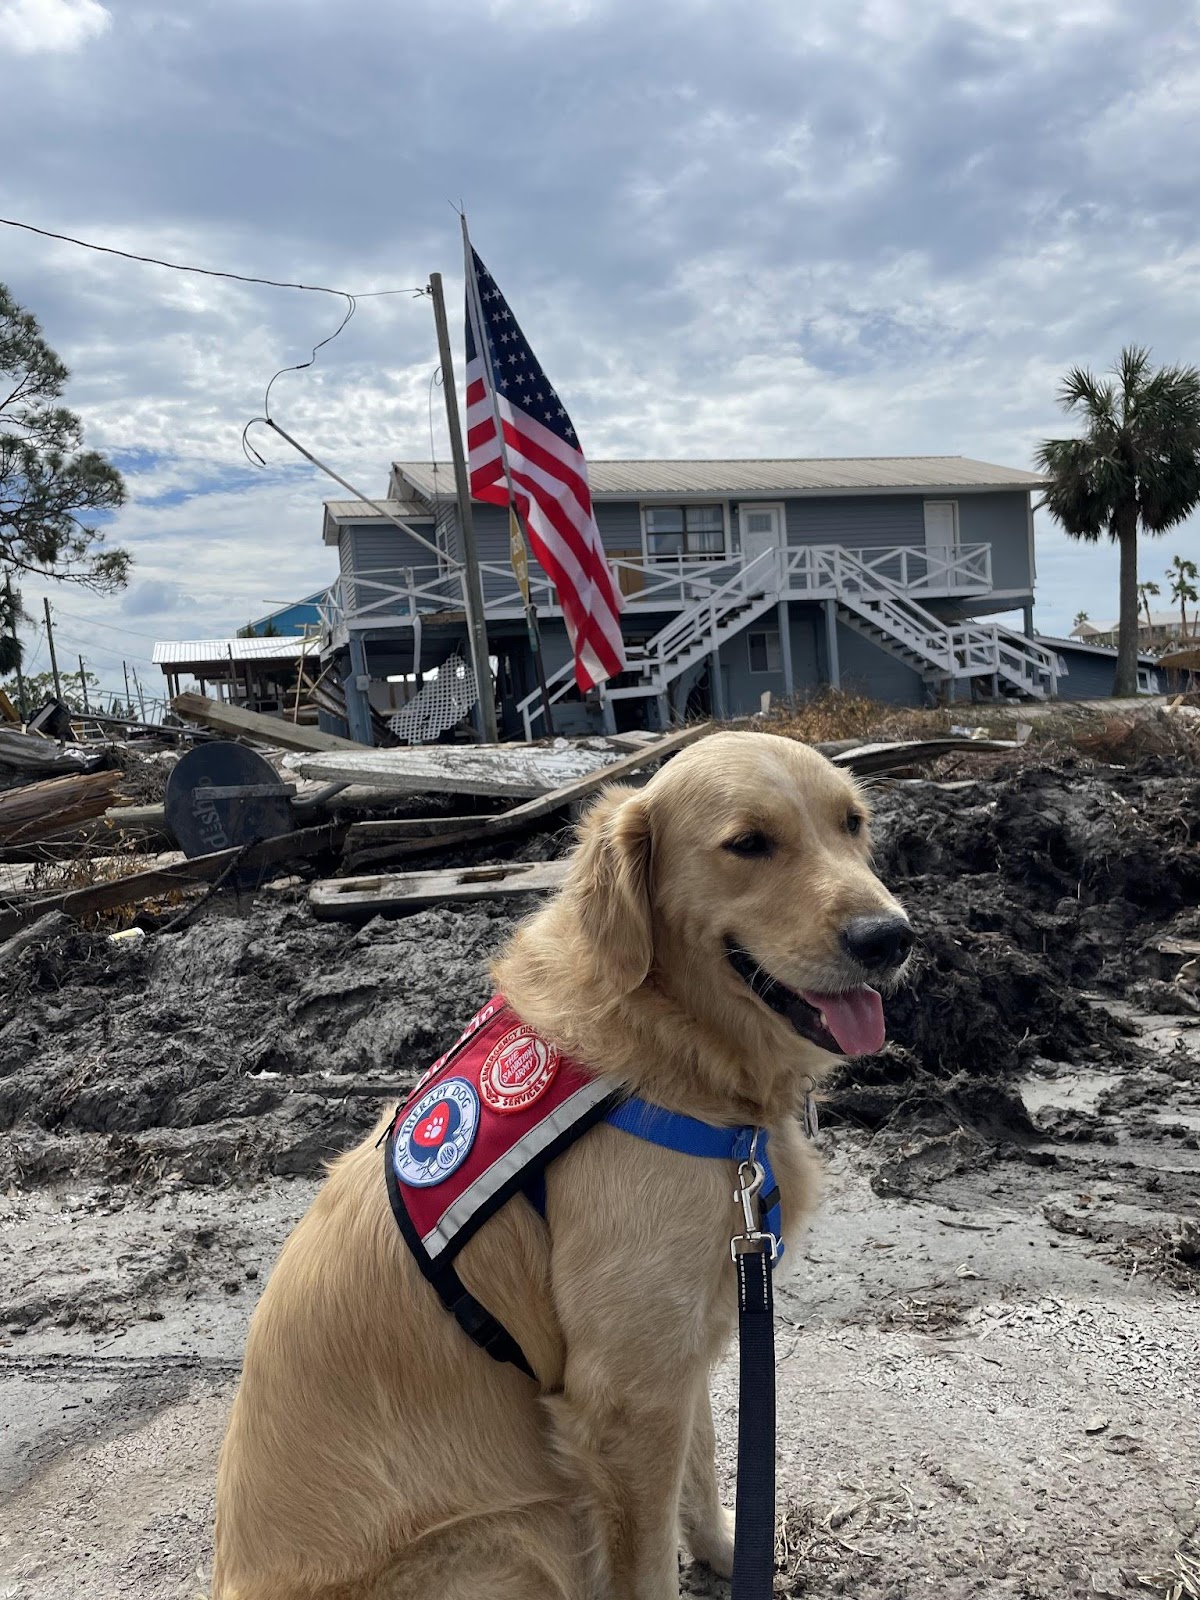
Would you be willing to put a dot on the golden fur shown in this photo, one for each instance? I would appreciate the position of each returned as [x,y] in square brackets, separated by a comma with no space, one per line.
[374,1453]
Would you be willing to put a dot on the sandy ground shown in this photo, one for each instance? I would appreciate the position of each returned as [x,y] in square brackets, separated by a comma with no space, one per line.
[972,1401]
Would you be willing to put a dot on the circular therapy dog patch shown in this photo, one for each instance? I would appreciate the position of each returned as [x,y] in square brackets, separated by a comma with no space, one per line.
[518,1071]
[436,1135]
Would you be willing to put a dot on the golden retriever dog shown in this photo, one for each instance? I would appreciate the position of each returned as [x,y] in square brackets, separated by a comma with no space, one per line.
[711,952]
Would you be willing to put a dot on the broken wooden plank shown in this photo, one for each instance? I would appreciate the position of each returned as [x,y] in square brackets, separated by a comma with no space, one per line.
[503,771]
[398,893]
[569,793]
[370,842]
[139,886]
[55,804]
[871,758]
[234,722]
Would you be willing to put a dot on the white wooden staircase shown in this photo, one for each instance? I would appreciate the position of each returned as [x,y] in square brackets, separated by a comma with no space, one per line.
[993,659]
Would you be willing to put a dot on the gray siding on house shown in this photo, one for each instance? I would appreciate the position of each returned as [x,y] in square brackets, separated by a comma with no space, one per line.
[1088,677]
[876,673]
[378,556]
[744,689]
[869,523]
[620,525]
[1001,520]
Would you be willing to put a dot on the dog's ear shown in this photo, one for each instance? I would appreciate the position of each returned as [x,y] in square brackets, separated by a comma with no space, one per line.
[610,883]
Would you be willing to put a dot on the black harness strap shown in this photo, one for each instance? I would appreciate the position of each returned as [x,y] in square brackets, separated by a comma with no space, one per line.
[474,1319]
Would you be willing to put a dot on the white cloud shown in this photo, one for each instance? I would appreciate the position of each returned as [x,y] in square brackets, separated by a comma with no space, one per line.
[34,27]
[850,227]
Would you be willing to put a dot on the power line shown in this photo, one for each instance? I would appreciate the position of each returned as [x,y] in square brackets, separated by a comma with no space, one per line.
[103,649]
[206,272]
[112,628]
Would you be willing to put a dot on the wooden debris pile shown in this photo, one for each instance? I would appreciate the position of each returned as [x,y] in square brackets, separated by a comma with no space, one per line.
[335,812]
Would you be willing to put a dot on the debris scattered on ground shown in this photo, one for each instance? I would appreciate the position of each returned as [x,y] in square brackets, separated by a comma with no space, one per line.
[234,722]
[988,1346]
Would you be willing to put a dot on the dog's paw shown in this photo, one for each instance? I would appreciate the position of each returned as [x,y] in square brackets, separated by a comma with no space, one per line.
[713,1544]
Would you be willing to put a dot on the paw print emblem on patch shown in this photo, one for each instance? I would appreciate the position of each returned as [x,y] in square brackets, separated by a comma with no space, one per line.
[437,1133]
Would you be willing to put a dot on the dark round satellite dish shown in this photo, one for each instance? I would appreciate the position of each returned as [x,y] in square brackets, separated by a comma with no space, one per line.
[258,805]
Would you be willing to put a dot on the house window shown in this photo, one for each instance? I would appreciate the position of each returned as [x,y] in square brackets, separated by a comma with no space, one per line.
[685,531]
[764,651]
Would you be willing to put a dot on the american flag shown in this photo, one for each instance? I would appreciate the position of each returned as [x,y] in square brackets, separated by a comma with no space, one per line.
[548,472]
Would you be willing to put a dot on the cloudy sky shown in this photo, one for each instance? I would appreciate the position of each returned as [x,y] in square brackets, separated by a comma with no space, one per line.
[836,227]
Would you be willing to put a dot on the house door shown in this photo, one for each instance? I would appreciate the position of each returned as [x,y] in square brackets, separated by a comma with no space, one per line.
[762,529]
[941,542]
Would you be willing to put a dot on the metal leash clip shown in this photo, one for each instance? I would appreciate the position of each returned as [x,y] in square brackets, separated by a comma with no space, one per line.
[750,1182]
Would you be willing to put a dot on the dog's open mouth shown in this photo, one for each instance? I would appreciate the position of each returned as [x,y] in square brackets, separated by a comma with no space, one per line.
[849,1023]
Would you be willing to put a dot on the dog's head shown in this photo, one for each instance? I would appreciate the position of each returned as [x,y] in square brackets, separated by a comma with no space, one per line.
[739,881]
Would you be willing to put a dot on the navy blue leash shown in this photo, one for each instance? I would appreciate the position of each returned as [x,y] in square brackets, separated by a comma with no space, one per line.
[755,1251]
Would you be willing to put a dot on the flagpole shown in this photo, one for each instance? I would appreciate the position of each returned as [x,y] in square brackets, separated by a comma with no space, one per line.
[472,582]
[516,534]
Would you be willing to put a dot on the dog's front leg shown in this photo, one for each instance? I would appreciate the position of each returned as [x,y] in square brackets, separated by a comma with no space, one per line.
[629,1453]
[707,1525]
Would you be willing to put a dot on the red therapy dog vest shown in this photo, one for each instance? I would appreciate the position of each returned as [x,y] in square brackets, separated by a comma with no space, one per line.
[480,1127]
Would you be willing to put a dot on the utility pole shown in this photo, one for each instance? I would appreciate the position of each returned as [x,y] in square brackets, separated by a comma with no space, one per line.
[138,687]
[472,583]
[128,696]
[12,619]
[53,657]
[87,710]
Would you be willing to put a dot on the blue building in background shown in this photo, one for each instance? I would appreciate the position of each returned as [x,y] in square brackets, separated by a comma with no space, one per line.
[293,619]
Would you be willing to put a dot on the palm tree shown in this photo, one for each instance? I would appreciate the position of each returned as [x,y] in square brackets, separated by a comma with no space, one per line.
[1137,465]
[1080,618]
[1145,590]
[1183,575]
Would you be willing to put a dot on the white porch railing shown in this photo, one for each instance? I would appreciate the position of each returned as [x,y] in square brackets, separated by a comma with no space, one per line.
[713,598]
[667,583]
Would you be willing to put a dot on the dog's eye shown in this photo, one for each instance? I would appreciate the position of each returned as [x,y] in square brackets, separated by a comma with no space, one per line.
[750,844]
[854,822]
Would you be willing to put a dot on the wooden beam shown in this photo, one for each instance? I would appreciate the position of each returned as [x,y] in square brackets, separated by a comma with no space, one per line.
[542,805]
[399,893]
[870,758]
[237,723]
[38,809]
[419,835]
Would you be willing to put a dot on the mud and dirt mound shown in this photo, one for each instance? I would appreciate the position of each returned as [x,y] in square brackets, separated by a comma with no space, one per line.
[1031,895]
[257,1041]
[238,1046]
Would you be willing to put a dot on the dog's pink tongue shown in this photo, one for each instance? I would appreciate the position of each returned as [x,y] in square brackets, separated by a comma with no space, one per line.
[854,1018]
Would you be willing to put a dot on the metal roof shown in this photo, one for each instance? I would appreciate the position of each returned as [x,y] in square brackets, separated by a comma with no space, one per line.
[183,652]
[847,475]
[364,510]
[338,512]
[1109,652]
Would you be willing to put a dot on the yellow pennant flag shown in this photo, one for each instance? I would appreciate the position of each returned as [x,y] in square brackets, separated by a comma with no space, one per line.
[517,554]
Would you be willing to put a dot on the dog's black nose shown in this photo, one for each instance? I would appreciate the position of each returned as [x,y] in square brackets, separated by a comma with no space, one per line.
[878,943]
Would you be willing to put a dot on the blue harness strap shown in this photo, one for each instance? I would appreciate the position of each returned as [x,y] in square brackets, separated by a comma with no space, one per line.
[691,1137]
